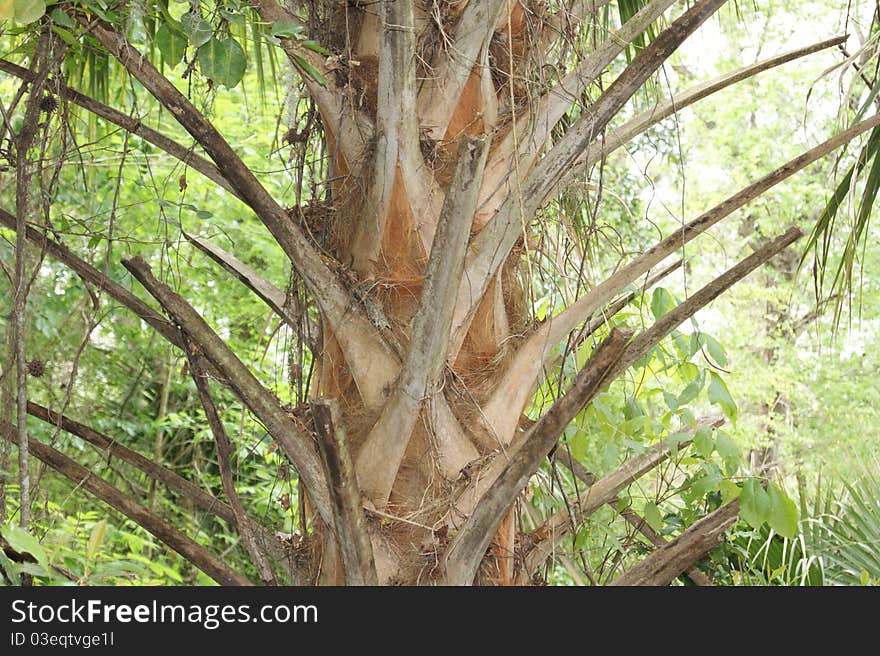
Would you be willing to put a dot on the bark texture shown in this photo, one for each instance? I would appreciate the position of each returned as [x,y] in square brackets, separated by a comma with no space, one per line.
[446,139]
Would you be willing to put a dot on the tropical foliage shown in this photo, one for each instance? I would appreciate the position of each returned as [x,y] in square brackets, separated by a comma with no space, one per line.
[329,292]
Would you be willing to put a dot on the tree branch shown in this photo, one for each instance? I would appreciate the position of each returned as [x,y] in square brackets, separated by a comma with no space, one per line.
[361,342]
[524,369]
[224,455]
[41,61]
[466,550]
[663,565]
[126,122]
[204,500]
[383,451]
[351,531]
[92,276]
[533,128]
[269,293]
[82,477]
[293,440]
[617,137]
[631,516]
[493,244]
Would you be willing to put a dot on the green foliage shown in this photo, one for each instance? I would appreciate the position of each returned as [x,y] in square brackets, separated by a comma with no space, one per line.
[772,506]
[849,536]
[762,557]
[197,30]
[171,43]
[122,374]
[223,61]
[23,11]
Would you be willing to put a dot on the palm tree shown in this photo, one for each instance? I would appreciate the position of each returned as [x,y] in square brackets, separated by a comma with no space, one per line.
[450,128]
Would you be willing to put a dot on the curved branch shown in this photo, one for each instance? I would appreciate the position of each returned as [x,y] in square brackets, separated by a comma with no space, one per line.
[192,551]
[296,444]
[361,342]
[133,125]
[466,550]
[521,375]
[494,243]
[383,451]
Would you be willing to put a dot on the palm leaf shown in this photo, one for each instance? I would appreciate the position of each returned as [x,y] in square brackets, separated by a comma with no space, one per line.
[821,241]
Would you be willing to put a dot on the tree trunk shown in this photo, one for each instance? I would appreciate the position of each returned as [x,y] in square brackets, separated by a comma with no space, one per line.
[441,131]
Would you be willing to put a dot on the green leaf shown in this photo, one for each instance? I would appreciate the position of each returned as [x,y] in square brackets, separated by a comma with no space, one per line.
[172,44]
[661,302]
[671,401]
[729,491]
[198,31]
[675,439]
[290,30]
[696,341]
[691,391]
[632,409]
[687,418]
[10,569]
[653,516]
[34,569]
[754,503]
[66,36]
[27,11]
[310,70]
[60,17]
[716,351]
[577,441]
[316,47]
[610,456]
[688,371]
[709,481]
[729,452]
[233,17]
[703,442]
[23,542]
[718,393]
[96,539]
[224,61]
[783,512]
